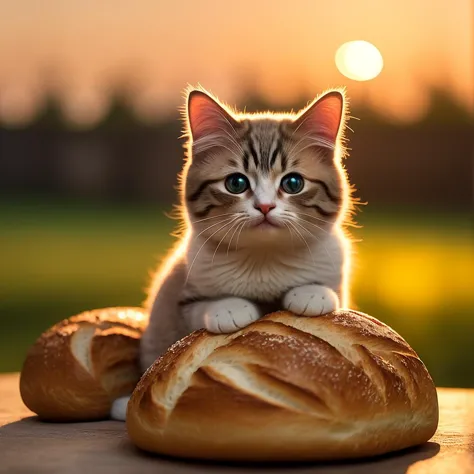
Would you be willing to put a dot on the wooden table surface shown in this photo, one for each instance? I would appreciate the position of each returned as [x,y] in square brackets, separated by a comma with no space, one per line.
[29,446]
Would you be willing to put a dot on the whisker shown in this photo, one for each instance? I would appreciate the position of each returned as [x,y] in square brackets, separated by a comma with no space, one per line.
[293,224]
[240,231]
[213,225]
[297,218]
[313,217]
[202,246]
[232,237]
[305,229]
[213,217]
[324,247]
[234,223]
[314,225]
[291,234]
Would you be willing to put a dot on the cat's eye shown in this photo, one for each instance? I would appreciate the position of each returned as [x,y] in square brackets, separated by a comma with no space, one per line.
[292,183]
[237,183]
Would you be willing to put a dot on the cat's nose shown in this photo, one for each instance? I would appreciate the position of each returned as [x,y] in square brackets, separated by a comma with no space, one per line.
[264,208]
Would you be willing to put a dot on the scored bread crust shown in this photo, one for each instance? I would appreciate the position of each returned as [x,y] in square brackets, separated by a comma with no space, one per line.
[342,385]
[79,366]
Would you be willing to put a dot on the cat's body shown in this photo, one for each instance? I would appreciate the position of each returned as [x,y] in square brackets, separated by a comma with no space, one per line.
[264,200]
[262,279]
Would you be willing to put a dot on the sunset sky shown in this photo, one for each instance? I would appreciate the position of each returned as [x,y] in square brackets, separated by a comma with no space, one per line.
[281,47]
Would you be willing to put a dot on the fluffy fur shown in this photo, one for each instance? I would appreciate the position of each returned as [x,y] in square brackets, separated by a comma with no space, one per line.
[250,243]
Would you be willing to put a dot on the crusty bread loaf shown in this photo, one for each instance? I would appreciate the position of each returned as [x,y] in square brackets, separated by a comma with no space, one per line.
[78,367]
[342,385]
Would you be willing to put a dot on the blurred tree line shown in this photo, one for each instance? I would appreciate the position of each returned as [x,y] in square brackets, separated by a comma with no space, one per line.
[425,163]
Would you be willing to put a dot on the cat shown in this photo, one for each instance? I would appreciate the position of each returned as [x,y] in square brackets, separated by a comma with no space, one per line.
[264,198]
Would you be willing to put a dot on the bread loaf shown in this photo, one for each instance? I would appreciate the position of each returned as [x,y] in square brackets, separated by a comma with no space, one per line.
[343,385]
[78,367]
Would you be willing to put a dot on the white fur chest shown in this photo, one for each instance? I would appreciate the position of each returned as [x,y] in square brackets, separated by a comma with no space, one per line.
[264,276]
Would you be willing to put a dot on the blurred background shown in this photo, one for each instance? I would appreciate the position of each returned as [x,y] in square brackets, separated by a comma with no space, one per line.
[90,149]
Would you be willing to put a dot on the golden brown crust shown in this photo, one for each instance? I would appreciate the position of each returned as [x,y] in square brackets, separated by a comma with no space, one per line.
[79,366]
[286,388]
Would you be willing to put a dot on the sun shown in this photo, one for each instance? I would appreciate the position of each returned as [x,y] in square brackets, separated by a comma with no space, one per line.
[359,60]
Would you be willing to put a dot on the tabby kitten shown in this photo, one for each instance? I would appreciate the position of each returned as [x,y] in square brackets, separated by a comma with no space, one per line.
[264,197]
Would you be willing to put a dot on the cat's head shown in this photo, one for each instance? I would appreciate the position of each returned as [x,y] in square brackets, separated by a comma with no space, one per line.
[264,179]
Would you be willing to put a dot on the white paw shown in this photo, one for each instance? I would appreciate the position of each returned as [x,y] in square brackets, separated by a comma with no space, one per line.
[311,300]
[118,411]
[229,315]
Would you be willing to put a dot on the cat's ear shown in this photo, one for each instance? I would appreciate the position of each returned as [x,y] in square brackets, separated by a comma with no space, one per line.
[322,120]
[207,118]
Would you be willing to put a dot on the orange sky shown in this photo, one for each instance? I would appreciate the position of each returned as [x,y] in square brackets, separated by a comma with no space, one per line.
[282,46]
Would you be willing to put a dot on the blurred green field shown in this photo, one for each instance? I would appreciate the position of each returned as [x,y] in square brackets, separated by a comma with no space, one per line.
[414,271]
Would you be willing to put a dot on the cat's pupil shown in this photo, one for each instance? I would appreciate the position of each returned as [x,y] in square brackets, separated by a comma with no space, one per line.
[237,183]
[292,183]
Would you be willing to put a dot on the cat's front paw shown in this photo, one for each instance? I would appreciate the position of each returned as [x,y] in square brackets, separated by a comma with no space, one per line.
[311,300]
[230,315]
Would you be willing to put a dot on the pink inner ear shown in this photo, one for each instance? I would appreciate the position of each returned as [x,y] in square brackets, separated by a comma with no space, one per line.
[206,116]
[323,118]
